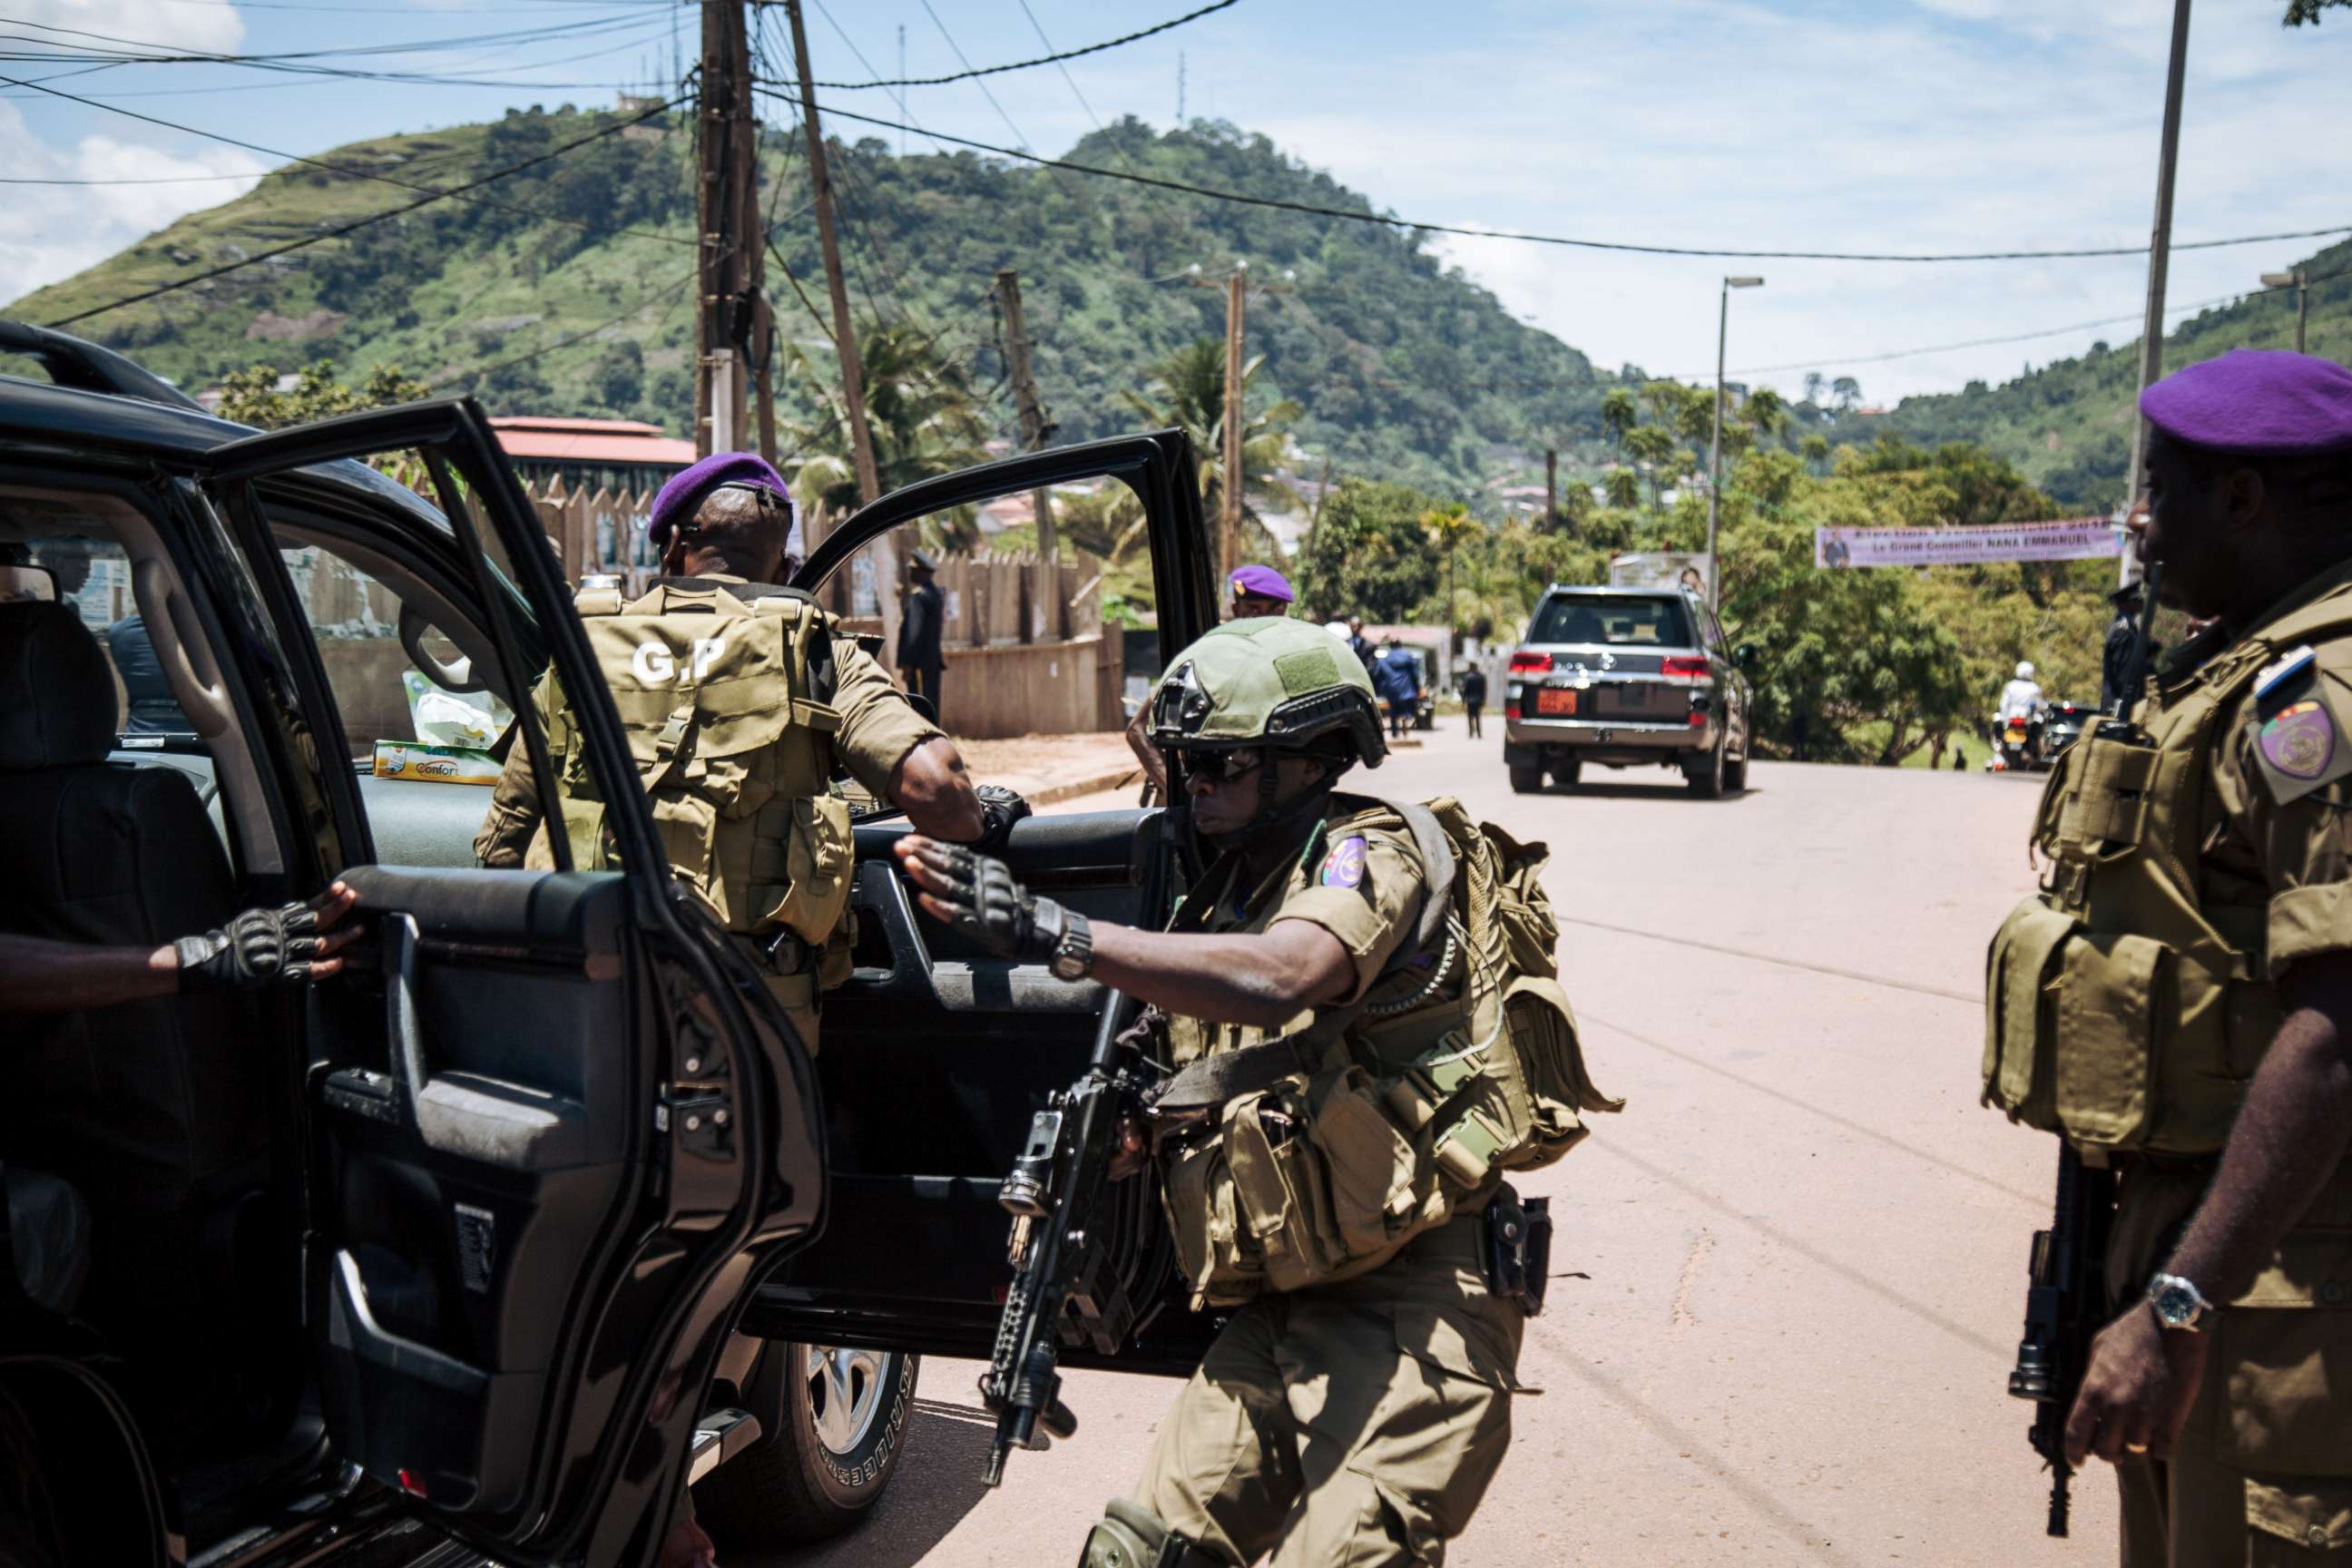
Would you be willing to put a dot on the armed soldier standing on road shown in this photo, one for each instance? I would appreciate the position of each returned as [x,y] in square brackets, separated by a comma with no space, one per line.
[743,695]
[1357,1404]
[2178,1003]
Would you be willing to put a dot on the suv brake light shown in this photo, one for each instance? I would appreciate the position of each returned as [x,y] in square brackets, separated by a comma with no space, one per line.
[1693,668]
[1526,662]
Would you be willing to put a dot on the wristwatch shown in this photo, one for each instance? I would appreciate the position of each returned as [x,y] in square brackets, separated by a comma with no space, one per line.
[2179,1303]
[1074,954]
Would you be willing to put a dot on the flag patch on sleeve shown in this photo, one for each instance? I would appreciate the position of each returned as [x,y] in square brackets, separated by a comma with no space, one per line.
[1344,866]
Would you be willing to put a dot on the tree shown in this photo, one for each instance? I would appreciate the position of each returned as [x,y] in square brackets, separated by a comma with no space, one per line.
[1623,487]
[1368,553]
[922,410]
[1846,392]
[250,396]
[1191,383]
[1618,414]
[1653,446]
[1815,383]
[2302,12]
[1765,411]
[1450,528]
[1815,450]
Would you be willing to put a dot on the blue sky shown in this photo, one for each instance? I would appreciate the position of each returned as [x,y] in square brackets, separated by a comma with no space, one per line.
[1896,125]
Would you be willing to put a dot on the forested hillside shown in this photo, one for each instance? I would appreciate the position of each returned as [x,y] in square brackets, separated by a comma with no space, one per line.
[2068,424]
[565,287]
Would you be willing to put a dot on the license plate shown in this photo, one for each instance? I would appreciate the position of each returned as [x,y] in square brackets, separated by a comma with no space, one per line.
[1555,699]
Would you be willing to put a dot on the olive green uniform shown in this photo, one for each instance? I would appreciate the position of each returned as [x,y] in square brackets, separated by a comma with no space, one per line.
[2262,1473]
[737,744]
[1355,1422]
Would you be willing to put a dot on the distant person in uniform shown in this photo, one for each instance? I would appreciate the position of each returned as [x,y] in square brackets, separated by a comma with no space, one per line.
[1256,592]
[1396,675]
[2211,1072]
[921,659]
[2115,656]
[1474,698]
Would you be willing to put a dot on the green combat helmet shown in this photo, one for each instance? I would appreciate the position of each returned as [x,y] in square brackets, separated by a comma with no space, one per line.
[1275,683]
[1271,681]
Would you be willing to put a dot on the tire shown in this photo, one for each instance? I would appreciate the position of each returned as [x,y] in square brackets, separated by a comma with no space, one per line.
[841,1430]
[1527,778]
[1564,776]
[1707,780]
[1735,774]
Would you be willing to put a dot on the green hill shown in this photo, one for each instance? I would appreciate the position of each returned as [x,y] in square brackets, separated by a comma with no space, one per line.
[540,303]
[2068,424]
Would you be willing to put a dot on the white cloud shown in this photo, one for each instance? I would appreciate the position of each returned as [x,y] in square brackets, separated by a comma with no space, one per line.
[55,231]
[212,26]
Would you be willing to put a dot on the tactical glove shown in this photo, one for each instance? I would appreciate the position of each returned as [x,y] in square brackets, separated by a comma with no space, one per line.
[257,950]
[999,808]
[999,914]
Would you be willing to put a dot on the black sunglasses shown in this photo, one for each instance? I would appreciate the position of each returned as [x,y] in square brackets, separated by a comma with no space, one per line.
[1224,766]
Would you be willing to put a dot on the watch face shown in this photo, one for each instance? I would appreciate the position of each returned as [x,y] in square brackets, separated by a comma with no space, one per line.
[2176,1306]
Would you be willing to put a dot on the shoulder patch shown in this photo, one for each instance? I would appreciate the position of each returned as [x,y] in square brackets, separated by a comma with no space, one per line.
[2298,745]
[1344,866]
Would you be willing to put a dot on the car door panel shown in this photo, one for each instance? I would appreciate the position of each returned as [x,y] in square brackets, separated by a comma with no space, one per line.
[554,1119]
[938,1054]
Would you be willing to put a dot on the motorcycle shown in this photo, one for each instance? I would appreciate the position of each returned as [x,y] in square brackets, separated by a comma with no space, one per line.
[2018,742]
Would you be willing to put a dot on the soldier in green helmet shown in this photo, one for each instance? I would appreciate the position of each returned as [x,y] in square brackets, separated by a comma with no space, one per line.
[1357,1402]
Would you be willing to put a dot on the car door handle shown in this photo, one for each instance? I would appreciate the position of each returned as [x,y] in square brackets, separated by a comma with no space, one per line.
[404,1025]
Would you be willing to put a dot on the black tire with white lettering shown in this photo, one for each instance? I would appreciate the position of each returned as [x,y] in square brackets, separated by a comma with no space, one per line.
[839,1435]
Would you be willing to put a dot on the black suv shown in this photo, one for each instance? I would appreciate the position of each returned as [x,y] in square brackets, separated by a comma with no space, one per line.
[541,1207]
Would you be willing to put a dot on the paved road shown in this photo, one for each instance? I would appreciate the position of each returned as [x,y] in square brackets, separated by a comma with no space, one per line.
[1801,1245]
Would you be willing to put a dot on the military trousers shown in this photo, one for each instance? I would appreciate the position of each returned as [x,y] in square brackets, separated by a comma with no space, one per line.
[1345,1427]
[2194,1509]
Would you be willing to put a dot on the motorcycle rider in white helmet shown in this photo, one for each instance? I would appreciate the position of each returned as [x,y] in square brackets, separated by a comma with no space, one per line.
[2021,698]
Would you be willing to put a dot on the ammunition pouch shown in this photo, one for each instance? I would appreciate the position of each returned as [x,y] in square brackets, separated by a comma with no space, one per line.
[1517,1248]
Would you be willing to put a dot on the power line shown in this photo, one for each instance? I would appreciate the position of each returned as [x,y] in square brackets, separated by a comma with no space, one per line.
[1018,134]
[970,73]
[156,180]
[1314,209]
[456,192]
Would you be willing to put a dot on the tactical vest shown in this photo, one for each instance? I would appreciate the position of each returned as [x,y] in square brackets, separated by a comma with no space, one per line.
[2124,1007]
[1383,1119]
[730,738]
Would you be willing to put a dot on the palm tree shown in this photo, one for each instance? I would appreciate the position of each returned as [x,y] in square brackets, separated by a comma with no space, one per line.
[1650,445]
[924,415]
[1623,486]
[1618,414]
[1449,527]
[1766,410]
[1815,450]
[1191,383]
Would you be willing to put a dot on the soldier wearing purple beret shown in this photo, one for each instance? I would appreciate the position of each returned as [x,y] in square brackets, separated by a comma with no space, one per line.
[2177,1004]
[743,700]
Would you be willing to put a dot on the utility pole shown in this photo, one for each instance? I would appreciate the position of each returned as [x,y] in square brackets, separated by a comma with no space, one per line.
[727,215]
[1230,490]
[1034,431]
[1551,488]
[2300,283]
[1715,443]
[2160,255]
[883,552]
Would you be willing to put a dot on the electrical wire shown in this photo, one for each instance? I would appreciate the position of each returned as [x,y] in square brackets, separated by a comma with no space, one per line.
[1072,82]
[1314,209]
[970,73]
[455,194]
[1018,134]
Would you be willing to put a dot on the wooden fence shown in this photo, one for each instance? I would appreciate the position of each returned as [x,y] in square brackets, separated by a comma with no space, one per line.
[1022,636]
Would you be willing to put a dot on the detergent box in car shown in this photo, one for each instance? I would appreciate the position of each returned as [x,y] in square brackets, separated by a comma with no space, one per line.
[435,764]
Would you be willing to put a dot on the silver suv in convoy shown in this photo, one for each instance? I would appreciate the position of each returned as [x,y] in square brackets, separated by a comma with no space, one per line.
[1622,676]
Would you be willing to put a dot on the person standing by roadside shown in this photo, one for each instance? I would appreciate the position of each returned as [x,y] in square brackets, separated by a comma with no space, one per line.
[1396,675]
[2181,993]
[920,659]
[1474,698]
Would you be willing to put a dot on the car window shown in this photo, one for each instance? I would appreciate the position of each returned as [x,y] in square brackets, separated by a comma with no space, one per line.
[387,700]
[1610,618]
[1034,666]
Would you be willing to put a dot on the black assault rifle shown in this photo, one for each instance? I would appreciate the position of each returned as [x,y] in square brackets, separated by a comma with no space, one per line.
[2066,1296]
[1076,1274]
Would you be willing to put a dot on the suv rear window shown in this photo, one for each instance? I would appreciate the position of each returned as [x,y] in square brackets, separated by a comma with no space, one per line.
[1613,619]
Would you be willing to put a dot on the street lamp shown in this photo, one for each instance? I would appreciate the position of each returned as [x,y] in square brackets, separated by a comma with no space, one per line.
[2297,281]
[1715,445]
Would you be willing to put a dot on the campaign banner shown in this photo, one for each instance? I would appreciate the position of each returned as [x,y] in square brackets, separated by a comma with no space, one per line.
[2077,539]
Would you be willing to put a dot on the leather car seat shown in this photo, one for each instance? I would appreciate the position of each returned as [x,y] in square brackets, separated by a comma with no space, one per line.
[157,1110]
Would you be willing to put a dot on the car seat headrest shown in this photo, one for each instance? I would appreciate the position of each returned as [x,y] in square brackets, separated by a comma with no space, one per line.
[57,703]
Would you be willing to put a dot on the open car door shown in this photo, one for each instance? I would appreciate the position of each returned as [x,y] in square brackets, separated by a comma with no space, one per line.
[936,1053]
[552,1121]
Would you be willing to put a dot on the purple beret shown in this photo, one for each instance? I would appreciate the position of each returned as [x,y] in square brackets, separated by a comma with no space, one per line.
[1263,581]
[685,489]
[2258,403]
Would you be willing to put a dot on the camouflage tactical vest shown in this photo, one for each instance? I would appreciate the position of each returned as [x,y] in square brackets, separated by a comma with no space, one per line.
[731,745]
[2124,1007]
